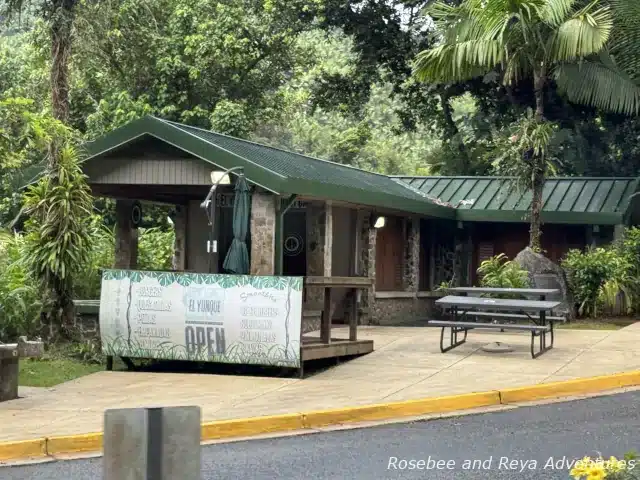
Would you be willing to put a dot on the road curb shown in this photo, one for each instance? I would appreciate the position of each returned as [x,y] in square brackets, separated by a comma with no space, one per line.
[247,427]
[570,387]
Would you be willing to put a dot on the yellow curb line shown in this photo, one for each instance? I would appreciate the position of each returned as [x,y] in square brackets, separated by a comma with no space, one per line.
[246,427]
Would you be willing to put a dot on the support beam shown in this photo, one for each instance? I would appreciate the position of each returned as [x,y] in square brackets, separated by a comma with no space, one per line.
[126,248]
[319,250]
[180,228]
[411,270]
[262,229]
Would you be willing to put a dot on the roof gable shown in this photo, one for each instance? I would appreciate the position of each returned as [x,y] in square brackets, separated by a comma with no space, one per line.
[276,170]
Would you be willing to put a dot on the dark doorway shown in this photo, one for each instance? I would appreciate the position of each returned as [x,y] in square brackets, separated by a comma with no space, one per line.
[294,239]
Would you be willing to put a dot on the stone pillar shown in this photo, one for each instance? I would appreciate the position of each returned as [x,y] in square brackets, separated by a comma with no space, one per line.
[618,232]
[180,229]
[263,229]
[411,267]
[319,249]
[367,243]
[126,248]
[9,371]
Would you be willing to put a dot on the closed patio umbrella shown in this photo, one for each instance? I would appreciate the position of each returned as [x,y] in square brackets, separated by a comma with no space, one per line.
[237,259]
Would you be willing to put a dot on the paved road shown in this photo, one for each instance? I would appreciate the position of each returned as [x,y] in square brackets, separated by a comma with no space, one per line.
[572,429]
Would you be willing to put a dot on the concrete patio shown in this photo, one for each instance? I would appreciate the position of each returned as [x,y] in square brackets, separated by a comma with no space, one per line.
[405,365]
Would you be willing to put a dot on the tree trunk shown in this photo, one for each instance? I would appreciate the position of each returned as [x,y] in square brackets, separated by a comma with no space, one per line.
[537,170]
[61,25]
[452,133]
[61,315]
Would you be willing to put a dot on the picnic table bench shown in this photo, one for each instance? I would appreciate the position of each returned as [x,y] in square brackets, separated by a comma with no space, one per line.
[462,307]
[539,293]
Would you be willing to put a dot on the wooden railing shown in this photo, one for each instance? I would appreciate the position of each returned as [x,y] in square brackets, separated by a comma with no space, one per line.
[352,284]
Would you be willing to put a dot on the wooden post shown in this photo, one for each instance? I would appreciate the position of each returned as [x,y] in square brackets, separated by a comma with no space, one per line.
[152,444]
[353,318]
[126,250]
[325,327]
[180,227]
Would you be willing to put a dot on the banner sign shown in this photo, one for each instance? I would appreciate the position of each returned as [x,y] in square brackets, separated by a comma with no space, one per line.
[201,317]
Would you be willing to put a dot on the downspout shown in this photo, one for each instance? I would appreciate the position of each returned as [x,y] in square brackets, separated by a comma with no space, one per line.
[279,247]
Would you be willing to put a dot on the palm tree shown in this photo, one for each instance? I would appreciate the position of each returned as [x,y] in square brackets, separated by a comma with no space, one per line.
[539,40]
[609,80]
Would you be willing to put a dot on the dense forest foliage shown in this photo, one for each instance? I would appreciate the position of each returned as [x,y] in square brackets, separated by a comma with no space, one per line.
[461,87]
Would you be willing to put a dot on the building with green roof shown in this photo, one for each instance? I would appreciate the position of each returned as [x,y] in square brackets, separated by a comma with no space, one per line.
[314,217]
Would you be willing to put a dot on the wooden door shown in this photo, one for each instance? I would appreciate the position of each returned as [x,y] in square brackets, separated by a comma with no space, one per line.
[390,255]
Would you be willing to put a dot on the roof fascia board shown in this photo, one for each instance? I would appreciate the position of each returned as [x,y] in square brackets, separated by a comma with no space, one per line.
[519,216]
[370,198]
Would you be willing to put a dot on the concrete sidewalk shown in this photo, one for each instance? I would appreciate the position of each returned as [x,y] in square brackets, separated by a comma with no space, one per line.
[406,365]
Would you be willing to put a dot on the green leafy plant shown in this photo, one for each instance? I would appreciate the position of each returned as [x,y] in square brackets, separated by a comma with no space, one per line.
[500,272]
[155,249]
[87,351]
[597,278]
[19,296]
[59,243]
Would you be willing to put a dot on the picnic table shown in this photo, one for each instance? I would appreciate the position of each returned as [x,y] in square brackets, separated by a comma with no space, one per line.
[541,293]
[534,311]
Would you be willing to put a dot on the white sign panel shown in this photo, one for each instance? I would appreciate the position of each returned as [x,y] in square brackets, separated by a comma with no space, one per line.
[201,317]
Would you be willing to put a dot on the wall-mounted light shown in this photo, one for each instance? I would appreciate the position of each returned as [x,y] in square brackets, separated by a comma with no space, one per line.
[380,222]
[220,178]
[596,229]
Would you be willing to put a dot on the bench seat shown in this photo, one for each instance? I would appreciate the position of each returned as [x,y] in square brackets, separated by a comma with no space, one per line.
[456,328]
[527,328]
[514,316]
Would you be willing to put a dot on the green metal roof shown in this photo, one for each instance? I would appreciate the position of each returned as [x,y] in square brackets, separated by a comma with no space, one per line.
[570,200]
[277,170]
[595,201]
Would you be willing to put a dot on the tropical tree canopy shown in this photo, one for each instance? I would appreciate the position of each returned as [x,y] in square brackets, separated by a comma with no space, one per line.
[574,44]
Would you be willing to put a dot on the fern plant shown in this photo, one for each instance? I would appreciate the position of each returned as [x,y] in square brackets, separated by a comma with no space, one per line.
[500,272]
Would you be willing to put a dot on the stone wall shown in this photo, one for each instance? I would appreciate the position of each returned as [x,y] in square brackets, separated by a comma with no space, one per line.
[311,320]
[411,267]
[367,262]
[390,308]
[262,228]
[319,251]
[88,326]
[404,311]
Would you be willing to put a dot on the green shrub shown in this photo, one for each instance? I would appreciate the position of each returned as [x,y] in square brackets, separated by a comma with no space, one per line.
[500,272]
[87,280]
[597,277]
[155,252]
[629,249]
[155,249]
[20,299]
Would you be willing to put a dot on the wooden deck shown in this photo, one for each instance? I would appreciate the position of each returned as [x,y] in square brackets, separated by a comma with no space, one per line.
[313,348]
